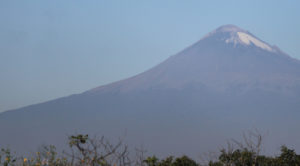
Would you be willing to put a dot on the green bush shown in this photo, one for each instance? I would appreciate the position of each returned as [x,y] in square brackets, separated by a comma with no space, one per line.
[100,152]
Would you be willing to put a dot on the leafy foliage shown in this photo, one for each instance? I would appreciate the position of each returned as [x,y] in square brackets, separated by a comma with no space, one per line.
[100,152]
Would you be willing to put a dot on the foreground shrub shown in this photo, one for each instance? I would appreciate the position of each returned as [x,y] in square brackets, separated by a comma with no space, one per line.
[85,151]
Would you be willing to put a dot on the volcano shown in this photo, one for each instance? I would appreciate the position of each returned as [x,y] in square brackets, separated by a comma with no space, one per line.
[227,82]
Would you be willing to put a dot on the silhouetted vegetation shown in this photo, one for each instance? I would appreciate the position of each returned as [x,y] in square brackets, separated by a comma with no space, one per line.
[85,151]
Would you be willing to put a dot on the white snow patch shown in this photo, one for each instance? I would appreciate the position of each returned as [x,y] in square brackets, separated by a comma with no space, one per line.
[233,40]
[248,39]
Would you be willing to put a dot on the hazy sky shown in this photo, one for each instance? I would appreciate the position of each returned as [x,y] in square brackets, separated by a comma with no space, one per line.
[54,48]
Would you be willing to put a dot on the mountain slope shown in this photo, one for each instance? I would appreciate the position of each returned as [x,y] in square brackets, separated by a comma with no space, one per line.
[220,56]
[226,83]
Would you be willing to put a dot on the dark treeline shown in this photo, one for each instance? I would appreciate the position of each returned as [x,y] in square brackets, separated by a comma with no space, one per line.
[86,151]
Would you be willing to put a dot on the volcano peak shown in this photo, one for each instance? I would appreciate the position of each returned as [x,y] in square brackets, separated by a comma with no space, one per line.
[232,34]
[223,84]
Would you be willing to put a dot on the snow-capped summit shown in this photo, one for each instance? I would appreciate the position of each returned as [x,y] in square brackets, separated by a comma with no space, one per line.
[235,35]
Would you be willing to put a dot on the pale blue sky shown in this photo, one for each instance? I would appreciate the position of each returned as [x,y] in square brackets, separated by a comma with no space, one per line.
[55,48]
